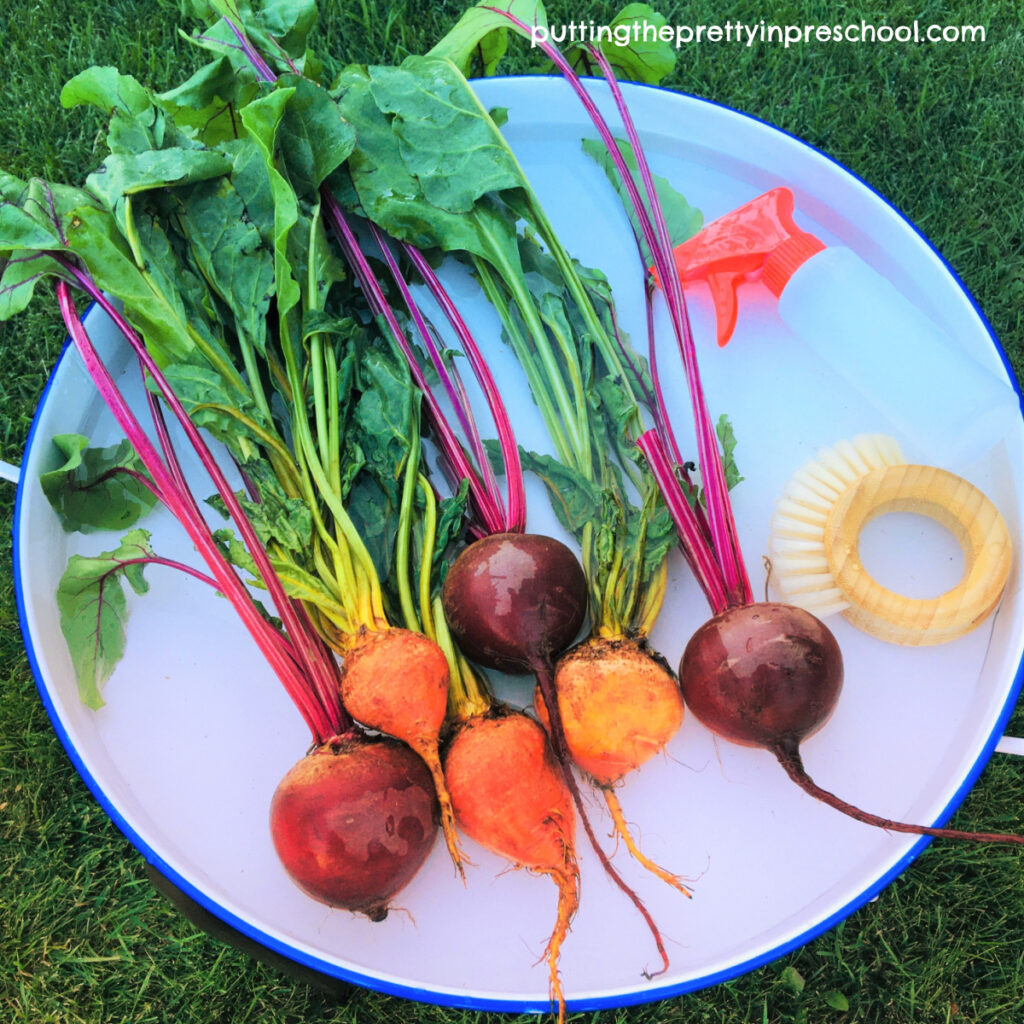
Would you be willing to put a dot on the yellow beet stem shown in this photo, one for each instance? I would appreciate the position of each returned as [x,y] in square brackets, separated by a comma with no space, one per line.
[622,829]
[358,576]
[277,452]
[404,539]
[468,695]
[653,599]
[609,617]
[323,411]
[299,585]
[429,535]
[334,432]
[341,556]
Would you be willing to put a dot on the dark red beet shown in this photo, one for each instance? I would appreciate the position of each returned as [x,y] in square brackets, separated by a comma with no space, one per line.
[511,598]
[762,673]
[353,821]
[769,675]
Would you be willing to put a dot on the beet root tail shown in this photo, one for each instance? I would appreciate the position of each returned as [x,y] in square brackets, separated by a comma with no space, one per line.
[789,758]
[545,674]
[427,749]
[622,830]
[568,882]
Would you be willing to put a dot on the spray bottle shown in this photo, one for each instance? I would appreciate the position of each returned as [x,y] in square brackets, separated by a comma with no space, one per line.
[858,322]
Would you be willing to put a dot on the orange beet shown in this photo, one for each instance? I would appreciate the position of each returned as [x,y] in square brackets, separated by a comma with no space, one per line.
[620,705]
[510,796]
[396,681]
[508,792]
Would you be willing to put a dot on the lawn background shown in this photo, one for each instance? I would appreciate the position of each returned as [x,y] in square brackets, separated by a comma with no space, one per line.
[938,130]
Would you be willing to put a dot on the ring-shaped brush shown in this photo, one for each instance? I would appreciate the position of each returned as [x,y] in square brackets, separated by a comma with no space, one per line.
[816,529]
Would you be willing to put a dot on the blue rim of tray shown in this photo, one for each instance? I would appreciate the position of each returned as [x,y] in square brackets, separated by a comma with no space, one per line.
[479,1002]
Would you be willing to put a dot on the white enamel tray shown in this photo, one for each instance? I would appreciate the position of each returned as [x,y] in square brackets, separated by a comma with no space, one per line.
[197,732]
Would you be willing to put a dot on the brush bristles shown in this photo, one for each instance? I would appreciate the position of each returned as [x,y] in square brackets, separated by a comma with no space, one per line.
[800,571]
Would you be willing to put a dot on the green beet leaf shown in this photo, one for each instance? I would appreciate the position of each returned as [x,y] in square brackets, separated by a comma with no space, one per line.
[251,179]
[262,119]
[633,46]
[575,500]
[648,57]
[633,43]
[128,173]
[159,315]
[307,587]
[109,91]
[289,22]
[383,419]
[95,488]
[237,554]
[313,138]
[19,230]
[388,192]
[377,432]
[93,609]
[135,124]
[34,218]
[229,252]
[373,515]
[446,140]
[278,30]
[276,517]
[215,405]
[478,40]
[451,521]
[19,279]
[49,206]
[727,439]
[178,283]
[205,107]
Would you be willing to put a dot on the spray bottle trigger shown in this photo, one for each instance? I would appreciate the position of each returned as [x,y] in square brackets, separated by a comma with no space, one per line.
[723,287]
[759,241]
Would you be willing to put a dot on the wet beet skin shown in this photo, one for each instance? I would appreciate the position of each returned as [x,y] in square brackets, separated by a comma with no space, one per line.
[762,674]
[512,598]
[353,821]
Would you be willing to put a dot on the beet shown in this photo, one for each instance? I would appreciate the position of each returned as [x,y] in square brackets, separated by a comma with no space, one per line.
[769,675]
[353,821]
[510,795]
[619,705]
[762,674]
[512,599]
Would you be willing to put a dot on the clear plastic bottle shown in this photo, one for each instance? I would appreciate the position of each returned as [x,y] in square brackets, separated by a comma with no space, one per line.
[933,390]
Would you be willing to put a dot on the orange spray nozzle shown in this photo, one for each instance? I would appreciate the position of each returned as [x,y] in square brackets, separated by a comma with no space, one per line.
[757,241]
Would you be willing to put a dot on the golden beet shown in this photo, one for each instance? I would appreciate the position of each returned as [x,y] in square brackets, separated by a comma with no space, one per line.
[620,706]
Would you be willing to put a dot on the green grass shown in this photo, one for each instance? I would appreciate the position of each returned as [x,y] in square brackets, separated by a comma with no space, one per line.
[84,937]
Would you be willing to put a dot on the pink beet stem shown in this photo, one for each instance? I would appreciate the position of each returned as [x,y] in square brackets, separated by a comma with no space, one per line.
[282,656]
